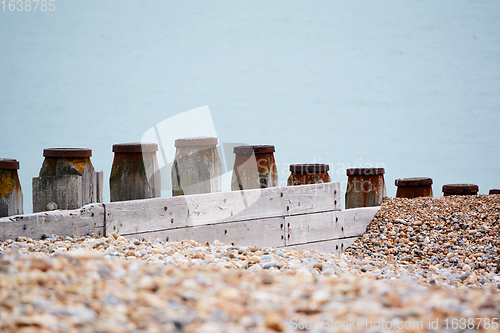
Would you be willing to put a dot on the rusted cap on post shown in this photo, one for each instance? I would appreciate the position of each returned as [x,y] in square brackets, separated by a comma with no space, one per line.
[495,191]
[309,168]
[257,149]
[365,171]
[135,147]
[415,181]
[202,141]
[67,152]
[460,189]
[8,164]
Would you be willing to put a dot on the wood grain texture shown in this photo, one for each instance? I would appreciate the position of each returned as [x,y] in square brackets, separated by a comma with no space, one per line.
[99,186]
[78,222]
[139,216]
[66,191]
[336,246]
[303,217]
[328,225]
[264,232]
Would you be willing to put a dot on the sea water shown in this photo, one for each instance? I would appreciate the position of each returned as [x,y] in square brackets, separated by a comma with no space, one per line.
[412,86]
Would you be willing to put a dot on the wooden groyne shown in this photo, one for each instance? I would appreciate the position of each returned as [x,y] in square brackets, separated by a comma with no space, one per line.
[305,216]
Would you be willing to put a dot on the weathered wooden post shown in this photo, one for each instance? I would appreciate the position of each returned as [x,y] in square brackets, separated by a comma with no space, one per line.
[135,173]
[365,187]
[254,167]
[494,191]
[197,167]
[460,189]
[414,187]
[67,180]
[11,195]
[303,174]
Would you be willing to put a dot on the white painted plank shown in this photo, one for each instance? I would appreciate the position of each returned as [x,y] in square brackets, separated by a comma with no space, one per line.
[336,246]
[314,198]
[329,225]
[194,210]
[265,232]
[77,222]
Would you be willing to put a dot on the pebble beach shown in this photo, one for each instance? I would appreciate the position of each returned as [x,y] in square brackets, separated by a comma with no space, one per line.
[423,265]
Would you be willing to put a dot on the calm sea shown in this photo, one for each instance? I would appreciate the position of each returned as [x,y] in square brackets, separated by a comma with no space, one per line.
[413,86]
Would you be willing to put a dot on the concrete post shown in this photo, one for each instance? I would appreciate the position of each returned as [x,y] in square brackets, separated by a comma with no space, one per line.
[135,173]
[11,195]
[365,187]
[254,167]
[303,174]
[67,180]
[197,167]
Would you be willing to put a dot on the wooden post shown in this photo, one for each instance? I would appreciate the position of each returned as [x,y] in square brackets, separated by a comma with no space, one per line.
[365,187]
[67,180]
[494,191]
[304,174]
[11,195]
[414,187]
[254,167]
[460,189]
[135,173]
[197,167]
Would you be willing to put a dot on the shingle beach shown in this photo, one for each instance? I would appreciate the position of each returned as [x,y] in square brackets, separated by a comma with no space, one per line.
[424,264]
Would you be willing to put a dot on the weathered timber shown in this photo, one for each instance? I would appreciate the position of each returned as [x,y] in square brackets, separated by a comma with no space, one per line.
[135,173]
[67,180]
[365,187]
[303,174]
[263,232]
[334,245]
[414,187]
[303,217]
[254,167]
[11,195]
[138,216]
[321,226]
[460,189]
[197,167]
[86,220]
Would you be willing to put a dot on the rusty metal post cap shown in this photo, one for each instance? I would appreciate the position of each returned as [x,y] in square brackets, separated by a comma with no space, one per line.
[135,147]
[495,191]
[414,181]
[309,168]
[365,171]
[200,141]
[460,188]
[256,149]
[67,152]
[8,164]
